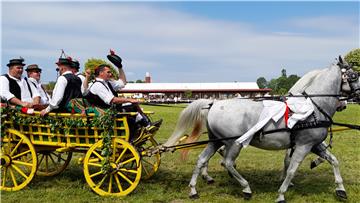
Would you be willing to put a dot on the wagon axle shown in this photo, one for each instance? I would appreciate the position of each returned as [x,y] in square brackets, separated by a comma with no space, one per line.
[5,160]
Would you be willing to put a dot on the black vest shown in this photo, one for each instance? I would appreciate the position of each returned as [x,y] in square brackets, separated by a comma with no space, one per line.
[72,91]
[14,88]
[96,100]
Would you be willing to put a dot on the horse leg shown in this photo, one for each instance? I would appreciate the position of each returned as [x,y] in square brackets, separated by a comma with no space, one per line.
[286,166]
[205,175]
[327,155]
[295,161]
[230,156]
[204,157]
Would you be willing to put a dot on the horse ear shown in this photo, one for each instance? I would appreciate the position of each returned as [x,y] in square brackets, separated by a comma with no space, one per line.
[340,59]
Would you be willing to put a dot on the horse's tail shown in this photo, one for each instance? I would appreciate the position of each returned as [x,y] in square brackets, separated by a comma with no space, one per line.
[194,116]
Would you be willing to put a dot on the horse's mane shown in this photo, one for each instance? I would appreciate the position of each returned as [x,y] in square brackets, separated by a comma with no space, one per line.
[306,80]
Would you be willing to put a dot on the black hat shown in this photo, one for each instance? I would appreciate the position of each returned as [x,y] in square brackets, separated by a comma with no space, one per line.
[75,64]
[115,59]
[64,61]
[19,61]
[32,67]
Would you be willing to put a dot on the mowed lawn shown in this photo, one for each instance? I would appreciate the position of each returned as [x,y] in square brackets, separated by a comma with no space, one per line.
[170,184]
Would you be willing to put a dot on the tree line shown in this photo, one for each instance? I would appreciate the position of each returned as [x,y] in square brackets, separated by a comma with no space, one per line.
[280,85]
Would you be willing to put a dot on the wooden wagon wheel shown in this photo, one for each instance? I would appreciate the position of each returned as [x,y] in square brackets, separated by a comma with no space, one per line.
[18,161]
[51,163]
[149,164]
[122,178]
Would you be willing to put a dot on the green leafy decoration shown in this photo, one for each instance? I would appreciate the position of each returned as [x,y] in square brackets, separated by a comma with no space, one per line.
[104,123]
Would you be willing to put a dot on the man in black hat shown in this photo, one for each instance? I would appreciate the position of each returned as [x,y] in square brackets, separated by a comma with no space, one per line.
[16,89]
[34,74]
[67,87]
[75,65]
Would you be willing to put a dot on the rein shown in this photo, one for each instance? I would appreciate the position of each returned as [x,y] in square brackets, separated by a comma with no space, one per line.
[315,124]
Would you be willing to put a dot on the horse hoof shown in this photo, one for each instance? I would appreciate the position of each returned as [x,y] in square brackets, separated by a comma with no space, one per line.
[247,196]
[194,196]
[282,201]
[341,194]
[209,182]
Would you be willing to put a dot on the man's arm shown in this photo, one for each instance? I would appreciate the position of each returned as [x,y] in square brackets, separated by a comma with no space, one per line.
[85,85]
[122,75]
[17,101]
[7,95]
[119,100]
[58,94]
[36,94]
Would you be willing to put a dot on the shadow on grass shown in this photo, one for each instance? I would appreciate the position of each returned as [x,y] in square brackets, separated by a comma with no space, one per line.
[261,181]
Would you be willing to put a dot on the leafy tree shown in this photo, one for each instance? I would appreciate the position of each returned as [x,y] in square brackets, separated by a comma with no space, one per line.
[50,86]
[188,94]
[353,58]
[292,79]
[139,81]
[92,63]
[261,82]
[280,85]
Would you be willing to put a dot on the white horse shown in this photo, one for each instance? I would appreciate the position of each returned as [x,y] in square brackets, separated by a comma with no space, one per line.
[234,117]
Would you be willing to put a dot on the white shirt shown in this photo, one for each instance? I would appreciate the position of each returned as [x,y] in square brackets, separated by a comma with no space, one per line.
[45,97]
[58,92]
[98,88]
[25,93]
[82,78]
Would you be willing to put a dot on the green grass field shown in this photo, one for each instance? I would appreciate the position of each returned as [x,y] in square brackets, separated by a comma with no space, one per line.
[170,184]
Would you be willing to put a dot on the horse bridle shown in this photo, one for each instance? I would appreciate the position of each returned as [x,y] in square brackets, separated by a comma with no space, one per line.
[349,76]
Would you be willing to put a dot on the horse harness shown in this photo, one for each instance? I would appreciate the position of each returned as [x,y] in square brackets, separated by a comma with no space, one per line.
[316,123]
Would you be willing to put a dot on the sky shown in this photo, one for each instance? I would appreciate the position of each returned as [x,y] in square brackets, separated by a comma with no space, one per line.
[183,41]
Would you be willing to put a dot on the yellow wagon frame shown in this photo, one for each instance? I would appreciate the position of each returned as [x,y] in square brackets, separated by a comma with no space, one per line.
[30,149]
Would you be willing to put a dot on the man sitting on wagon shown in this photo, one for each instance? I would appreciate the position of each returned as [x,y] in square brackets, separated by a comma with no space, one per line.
[67,87]
[75,65]
[34,74]
[103,91]
[15,89]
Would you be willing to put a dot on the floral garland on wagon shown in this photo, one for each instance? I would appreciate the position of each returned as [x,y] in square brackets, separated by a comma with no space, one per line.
[105,121]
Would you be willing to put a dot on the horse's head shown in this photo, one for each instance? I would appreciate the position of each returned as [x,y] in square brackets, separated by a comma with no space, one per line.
[350,85]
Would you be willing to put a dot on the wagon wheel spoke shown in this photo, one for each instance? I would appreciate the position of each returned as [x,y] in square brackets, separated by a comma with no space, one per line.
[95,164]
[22,163]
[128,161]
[110,184]
[4,176]
[118,183]
[16,147]
[128,170]
[41,159]
[46,163]
[145,169]
[21,154]
[52,163]
[13,177]
[56,164]
[19,171]
[96,174]
[125,178]
[19,162]
[120,156]
[58,156]
[98,155]
[102,181]
[121,178]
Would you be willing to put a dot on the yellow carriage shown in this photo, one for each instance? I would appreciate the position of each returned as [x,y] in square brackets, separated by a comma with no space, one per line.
[113,165]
